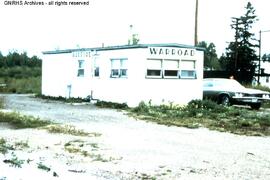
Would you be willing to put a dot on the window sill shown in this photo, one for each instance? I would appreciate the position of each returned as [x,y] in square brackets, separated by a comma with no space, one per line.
[153,77]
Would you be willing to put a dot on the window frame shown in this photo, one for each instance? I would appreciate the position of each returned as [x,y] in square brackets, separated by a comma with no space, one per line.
[81,68]
[177,71]
[188,70]
[119,69]
[154,69]
[96,67]
[164,69]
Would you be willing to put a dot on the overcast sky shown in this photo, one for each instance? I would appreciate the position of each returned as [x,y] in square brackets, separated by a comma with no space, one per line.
[39,28]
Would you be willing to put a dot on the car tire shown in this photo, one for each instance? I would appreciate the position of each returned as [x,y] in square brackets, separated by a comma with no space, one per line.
[225,100]
[255,106]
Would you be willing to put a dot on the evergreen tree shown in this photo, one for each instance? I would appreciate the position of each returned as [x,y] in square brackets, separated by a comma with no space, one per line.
[211,61]
[241,54]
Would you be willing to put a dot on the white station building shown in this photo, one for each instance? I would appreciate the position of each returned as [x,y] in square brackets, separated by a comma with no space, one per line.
[156,73]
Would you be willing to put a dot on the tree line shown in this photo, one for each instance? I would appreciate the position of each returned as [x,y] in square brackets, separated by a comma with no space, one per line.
[19,59]
[16,65]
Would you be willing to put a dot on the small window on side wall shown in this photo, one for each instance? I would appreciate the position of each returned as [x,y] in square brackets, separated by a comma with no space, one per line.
[96,67]
[81,65]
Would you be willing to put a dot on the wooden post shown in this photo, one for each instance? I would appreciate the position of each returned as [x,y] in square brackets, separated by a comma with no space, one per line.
[196,25]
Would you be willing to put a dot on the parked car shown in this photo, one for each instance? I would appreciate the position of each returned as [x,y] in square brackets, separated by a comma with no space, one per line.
[229,92]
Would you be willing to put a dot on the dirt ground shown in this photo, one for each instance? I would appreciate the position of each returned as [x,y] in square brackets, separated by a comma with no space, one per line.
[127,148]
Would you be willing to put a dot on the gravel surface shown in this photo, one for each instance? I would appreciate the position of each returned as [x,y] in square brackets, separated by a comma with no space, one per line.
[127,148]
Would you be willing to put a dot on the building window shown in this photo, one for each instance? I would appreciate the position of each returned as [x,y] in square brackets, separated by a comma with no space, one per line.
[188,69]
[119,68]
[154,68]
[267,79]
[170,68]
[81,65]
[96,67]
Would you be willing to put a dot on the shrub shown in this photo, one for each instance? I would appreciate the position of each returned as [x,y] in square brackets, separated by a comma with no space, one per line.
[105,104]
[141,108]
[205,104]
[63,99]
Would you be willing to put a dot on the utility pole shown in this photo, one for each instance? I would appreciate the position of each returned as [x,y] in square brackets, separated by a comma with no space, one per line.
[196,24]
[237,22]
[260,53]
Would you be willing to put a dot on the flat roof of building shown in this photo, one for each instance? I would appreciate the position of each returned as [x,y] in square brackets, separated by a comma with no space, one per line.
[172,45]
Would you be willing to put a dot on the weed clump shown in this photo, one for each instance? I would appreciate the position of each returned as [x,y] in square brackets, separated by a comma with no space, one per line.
[14,161]
[4,147]
[71,130]
[105,104]
[19,121]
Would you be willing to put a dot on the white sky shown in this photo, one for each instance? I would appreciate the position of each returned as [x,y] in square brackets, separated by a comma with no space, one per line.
[39,28]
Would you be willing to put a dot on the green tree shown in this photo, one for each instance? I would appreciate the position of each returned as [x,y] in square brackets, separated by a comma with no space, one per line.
[241,54]
[266,58]
[34,61]
[14,59]
[211,61]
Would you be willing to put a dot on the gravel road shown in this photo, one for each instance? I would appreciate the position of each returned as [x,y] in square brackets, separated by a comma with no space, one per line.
[133,149]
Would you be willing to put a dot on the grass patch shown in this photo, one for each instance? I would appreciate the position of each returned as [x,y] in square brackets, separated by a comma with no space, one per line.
[5,147]
[21,145]
[86,150]
[68,129]
[22,85]
[19,121]
[206,114]
[266,104]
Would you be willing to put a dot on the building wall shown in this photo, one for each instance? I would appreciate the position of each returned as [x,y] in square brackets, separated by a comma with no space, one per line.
[60,71]
[59,76]
[265,80]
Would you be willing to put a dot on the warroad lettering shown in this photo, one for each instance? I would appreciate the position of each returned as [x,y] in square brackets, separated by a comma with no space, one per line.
[172,51]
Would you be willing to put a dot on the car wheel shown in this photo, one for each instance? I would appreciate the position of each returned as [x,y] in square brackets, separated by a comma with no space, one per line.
[225,100]
[255,106]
